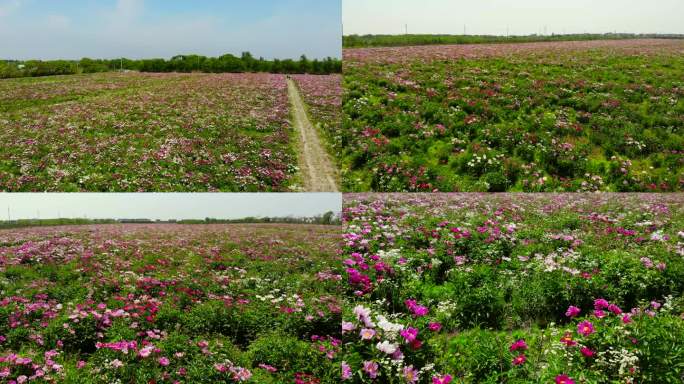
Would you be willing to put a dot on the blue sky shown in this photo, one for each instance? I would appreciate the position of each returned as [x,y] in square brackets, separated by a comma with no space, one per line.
[496,17]
[48,29]
[166,205]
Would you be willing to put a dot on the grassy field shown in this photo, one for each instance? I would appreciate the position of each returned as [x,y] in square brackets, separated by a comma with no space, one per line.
[514,288]
[560,116]
[170,303]
[148,132]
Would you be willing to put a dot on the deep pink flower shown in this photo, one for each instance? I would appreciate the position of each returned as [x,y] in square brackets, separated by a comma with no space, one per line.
[615,309]
[601,304]
[585,328]
[519,360]
[564,379]
[446,379]
[163,361]
[409,334]
[572,311]
[587,352]
[520,344]
[435,326]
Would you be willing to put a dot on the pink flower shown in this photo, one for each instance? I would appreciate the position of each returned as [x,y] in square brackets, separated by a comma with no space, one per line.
[367,334]
[626,319]
[615,309]
[347,326]
[163,361]
[572,311]
[564,379]
[601,304]
[242,374]
[346,371]
[520,344]
[267,367]
[435,326]
[418,310]
[585,328]
[80,364]
[587,352]
[519,360]
[409,334]
[599,313]
[410,374]
[371,368]
[446,379]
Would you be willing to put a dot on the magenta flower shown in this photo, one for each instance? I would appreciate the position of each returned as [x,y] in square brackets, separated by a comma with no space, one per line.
[572,311]
[601,304]
[615,309]
[519,360]
[587,352]
[163,361]
[435,326]
[564,379]
[520,344]
[409,334]
[446,379]
[585,328]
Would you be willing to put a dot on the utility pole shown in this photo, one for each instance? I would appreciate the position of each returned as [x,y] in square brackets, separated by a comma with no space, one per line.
[406,29]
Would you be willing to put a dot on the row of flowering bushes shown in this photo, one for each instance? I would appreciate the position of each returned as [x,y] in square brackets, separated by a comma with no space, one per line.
[466,288]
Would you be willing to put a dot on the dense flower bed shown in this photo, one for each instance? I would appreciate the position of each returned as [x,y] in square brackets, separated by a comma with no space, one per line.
[513,288]
[567,116]
[170,304]
[146,132]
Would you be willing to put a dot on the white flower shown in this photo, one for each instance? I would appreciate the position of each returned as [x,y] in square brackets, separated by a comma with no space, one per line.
[387,347]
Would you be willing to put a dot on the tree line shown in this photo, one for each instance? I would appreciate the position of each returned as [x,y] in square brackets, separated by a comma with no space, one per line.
[328,218]
[364,41]
[180,63]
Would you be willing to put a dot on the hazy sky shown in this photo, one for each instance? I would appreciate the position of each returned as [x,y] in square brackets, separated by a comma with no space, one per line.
[520,16]
[166,205]
[72,29]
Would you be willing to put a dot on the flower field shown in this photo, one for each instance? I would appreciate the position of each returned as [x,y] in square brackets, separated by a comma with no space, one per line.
[169,303]
[146,132]
[513,288]
[537,117]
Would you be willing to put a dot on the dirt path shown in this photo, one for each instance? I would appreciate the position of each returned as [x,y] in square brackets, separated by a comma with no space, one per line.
[318,172]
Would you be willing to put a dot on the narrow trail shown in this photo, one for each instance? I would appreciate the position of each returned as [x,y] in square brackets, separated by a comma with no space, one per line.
[318,171]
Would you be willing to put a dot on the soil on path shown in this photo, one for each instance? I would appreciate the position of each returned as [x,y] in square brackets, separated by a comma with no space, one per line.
[318,172]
